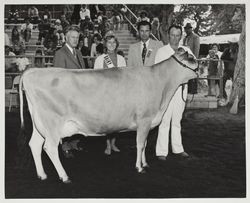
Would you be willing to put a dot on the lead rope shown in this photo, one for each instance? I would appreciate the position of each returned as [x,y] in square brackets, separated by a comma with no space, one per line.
[182,92]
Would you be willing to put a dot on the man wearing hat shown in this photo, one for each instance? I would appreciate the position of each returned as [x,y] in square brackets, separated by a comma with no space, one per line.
[143,52]
[192,41]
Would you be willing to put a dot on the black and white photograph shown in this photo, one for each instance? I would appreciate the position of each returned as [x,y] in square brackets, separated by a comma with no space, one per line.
[124,100]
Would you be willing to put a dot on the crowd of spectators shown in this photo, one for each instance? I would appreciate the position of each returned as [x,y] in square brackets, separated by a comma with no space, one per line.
[91,19]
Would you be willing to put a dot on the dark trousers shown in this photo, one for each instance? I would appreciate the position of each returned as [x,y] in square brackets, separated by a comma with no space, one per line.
[192,86]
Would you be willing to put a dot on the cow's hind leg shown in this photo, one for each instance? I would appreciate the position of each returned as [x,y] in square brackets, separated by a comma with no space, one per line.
[141,137]
[36,143]
[51,148]
[144,162]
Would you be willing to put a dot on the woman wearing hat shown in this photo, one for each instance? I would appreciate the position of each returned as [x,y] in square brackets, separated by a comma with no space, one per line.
[110,59]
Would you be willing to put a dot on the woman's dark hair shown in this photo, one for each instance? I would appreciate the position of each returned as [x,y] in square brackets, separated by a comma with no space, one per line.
[143,23]
[215,44]
[176,27]
[98,36]
[143,13]
[15,36]
[100,48]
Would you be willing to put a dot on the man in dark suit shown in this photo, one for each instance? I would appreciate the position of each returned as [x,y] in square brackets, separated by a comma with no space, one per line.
[68,56]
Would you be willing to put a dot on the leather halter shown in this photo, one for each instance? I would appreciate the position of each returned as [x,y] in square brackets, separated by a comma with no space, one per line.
[184,65]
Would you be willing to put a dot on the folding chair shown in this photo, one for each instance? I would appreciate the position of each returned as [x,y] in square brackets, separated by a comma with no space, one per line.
[14,90]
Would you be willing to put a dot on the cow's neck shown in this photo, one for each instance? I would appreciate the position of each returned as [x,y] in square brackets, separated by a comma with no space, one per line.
[171,72]
[171,78]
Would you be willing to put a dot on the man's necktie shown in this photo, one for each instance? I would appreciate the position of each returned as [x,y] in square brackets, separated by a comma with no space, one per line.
[144,51]
[74,53]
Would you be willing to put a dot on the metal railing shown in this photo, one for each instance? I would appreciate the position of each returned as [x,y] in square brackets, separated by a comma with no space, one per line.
[47,61]
[219,75]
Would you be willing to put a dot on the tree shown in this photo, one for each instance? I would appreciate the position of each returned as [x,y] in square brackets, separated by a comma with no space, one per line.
[195,12]
[221,15]
[238,90]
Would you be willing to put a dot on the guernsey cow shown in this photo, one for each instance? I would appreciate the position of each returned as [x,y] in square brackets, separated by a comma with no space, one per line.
[64,102]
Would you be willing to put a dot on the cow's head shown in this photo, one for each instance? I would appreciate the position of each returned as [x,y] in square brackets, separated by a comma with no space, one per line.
[187,62]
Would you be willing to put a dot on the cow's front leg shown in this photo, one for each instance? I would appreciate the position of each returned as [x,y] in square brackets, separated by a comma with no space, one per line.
[141,137]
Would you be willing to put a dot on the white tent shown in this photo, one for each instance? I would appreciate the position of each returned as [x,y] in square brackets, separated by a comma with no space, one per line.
[220,39]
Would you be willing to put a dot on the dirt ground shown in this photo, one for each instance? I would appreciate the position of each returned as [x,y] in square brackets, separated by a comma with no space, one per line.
[215,140]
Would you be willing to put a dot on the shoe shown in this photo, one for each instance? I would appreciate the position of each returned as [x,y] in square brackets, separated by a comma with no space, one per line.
[107,151]
[162,158]
[182,155]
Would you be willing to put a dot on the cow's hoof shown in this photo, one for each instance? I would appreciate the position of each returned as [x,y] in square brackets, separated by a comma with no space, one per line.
[67,181]
[42,177]
[146,166]
[141,171]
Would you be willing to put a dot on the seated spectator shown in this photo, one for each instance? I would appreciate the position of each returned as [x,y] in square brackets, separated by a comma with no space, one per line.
[143,17]
[33,15]
[6,39]
[26,30]
[96,40]
[95,9]
[105,26]
[116,20]
[17,46]
[155,27]
[75,17]
[10,63]
[15,36]
[99,49]
[39,62]
[123,12]
[13,14]
[84,12]
[22,62]
[86,37]
[64,22]
[50,44]
[46,14]
[43,28]
[86,24]
[59,30]
[99,17]
[85,52]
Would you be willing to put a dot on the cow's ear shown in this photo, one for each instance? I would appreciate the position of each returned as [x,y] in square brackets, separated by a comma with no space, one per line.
[185,55]
[180,50]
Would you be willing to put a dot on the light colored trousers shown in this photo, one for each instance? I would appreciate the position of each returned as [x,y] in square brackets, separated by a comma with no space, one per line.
[172,117]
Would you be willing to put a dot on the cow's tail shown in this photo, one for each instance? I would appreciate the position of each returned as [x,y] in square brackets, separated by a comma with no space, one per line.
[21,101]
[23,158]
